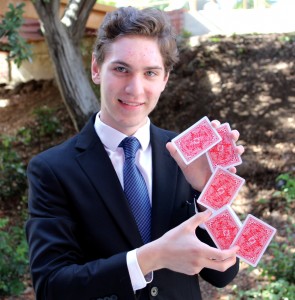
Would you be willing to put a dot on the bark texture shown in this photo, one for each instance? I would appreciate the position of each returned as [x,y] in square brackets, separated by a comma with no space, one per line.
[63,36]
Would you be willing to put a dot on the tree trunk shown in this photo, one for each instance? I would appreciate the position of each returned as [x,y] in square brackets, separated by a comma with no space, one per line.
[65,53]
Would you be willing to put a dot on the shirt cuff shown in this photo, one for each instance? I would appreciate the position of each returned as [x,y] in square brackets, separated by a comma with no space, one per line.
[138,280]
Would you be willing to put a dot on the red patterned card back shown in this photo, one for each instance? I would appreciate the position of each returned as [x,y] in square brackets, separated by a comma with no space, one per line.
[196,140]
[253,239]
[223,227]
[224,153]
[221,189]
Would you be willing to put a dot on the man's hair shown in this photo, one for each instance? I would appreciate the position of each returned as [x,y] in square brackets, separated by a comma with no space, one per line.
[149,22]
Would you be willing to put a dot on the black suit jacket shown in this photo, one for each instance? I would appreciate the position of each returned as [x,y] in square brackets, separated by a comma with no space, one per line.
[80,226]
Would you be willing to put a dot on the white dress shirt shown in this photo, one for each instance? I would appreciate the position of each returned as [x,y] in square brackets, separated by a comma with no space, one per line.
[111,138]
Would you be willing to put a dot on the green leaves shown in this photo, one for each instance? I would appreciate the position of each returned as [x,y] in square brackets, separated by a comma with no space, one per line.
[12,42]
[13,259]
[286,184]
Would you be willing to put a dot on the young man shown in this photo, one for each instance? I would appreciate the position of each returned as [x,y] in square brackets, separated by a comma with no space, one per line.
[85,241]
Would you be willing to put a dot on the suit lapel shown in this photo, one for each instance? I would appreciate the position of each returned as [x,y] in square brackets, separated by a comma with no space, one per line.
[95,162]
[164,182]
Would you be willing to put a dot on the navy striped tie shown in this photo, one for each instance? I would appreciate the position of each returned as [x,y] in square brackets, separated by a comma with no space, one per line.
[135,189]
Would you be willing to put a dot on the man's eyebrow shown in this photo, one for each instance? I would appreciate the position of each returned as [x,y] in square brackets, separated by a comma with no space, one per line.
[119,62]
[129,66]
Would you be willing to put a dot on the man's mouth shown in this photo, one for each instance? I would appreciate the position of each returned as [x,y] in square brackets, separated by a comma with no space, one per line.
[130,103]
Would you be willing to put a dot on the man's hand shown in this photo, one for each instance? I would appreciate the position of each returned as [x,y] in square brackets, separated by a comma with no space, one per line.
[181,251]
[198,172]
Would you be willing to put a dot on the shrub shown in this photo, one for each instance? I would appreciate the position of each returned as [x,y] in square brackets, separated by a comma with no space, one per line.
[13,258]
[13,189]
[13,174]
[279,271]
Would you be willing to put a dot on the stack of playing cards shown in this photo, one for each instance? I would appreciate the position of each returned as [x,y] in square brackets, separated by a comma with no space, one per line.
[224,226]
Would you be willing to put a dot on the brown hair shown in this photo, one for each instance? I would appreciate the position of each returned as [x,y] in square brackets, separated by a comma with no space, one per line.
[149,22]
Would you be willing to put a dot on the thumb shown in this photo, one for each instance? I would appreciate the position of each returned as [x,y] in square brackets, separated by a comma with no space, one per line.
[199,218]
[173,152]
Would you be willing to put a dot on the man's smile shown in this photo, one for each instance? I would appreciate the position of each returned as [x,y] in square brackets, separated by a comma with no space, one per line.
[130,103]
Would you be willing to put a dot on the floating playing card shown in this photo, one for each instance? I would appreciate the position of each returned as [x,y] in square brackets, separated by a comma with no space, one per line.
[196,140]
[224,153]
[253,239]
[221,189]
[223,226]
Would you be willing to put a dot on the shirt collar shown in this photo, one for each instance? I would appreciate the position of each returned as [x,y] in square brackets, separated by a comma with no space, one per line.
[105,132]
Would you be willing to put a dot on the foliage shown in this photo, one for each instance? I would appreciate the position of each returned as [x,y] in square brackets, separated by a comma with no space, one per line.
[282,264]
[17,47]
[279,271]
[105,2]
[13,170]
[13,258]
[284,196]
[48,124]
[183,39]
[286,184]
[13,190]
[12,175]
[86,47]
[151,3]
[278,290]
[251,4]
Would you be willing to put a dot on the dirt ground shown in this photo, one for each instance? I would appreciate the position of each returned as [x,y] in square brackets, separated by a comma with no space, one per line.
[247,81]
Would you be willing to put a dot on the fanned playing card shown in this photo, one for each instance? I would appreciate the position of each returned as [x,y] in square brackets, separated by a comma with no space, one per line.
[196,140]
[221,189]
[253,239]
[224,153]
[223,227]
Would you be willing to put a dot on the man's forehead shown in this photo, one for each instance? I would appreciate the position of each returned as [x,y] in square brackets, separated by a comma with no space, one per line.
[134,51]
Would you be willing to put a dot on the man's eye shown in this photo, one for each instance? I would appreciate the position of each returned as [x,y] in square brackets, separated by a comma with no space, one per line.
[150,73]
[121,69]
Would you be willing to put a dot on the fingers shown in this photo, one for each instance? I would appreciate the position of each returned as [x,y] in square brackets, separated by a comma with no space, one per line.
[235,136]
[218,255]
[215,123]
[168,251]
[199,218]
[223,265]
[232,170]
[220,260]
[240,149]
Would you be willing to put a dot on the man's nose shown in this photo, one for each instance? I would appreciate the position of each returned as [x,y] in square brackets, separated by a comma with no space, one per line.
[135,86]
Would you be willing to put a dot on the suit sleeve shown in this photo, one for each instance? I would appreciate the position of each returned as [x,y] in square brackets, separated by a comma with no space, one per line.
[58,268]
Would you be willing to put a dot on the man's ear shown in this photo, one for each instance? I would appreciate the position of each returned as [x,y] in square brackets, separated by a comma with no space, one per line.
[166,78]
[95,70]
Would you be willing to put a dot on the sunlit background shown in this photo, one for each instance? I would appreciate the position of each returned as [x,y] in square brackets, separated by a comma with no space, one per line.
[226,16]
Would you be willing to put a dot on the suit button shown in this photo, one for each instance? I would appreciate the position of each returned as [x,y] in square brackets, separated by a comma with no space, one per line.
[154,291]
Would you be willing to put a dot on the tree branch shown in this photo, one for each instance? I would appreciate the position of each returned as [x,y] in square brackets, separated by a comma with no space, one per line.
[44,7]
[75,17]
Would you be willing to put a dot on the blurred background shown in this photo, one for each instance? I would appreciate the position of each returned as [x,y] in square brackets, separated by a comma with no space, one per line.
[237,64]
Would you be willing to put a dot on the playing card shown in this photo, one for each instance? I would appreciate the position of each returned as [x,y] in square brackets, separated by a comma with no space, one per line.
[223,227]
[221,189]
[253,239]
[224,153]
[196,140]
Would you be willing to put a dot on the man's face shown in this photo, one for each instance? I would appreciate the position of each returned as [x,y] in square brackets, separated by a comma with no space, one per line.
[131,78]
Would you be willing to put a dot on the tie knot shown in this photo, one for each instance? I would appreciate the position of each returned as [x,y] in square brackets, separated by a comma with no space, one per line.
[130,146]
